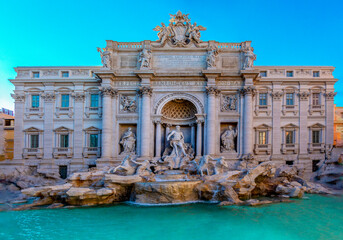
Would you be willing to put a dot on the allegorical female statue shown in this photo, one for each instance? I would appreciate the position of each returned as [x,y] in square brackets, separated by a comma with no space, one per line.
[228,140]
[128,141]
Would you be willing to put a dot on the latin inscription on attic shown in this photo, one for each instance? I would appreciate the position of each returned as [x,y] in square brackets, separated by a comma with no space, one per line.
[181,62]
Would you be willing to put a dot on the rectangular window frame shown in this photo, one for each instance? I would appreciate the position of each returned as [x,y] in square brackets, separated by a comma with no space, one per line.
[34,140]
[64,140]
[94,100]
[316,136]
[34,101]
[290,138]
[64,74]
[316,74]
[316,99]
[65,102]
[290,99]
[289,74]
[263,137]
[35,74]
[94,140]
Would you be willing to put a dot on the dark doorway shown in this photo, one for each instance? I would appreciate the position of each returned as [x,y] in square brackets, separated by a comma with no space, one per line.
[63,170]
[290,163]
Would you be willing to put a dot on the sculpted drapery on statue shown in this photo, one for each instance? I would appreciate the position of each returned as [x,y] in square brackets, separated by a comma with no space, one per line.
[176,139]
[250,57]
[228,140]
[145,58]
[128,141]
[211,57]
[105,57]
[180,32]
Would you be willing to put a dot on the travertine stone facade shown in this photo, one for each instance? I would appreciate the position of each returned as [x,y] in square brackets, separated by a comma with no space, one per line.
[80,114]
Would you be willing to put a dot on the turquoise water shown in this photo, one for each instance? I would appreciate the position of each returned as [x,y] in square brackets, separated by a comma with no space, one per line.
[317,218]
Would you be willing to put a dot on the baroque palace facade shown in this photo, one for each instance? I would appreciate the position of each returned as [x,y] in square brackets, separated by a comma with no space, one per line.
[69,118]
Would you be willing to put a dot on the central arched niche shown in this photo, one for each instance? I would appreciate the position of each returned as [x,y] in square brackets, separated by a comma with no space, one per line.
[179,112]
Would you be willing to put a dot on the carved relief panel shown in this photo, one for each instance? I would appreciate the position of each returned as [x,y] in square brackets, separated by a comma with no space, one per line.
[229,103]
[128,103]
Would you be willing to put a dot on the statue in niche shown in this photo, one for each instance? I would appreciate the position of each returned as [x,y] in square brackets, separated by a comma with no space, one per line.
[228,140]
[211,58]
[105,57]
[128,142]
[144,58]
[250,57]
[176,139]
[194,32]
[179,153]
[128,104]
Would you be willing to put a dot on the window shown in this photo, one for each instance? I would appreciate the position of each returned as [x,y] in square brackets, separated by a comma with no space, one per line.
[35,101]
[93,140]
[64,143]
[65,100]
[94,100]
[289,99]
[289,73]
[262,137]
[315,136]
[289,163]
[315,99]
[315,166]
[315,73]
[65,74]
[35,74]
[263,74]
[263,99]
[289,137]
[34,140]
[9,122]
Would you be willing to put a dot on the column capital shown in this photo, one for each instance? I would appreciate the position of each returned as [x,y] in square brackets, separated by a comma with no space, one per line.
[248,90]
[144,91]
[49,96]
[330,95]
[277,95]
[303,95]
[78,96]
[108,91]
[18,97]
[212,91]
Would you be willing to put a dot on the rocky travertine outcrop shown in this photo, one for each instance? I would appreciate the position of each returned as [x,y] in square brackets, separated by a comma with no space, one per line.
[331,172]
[134,181]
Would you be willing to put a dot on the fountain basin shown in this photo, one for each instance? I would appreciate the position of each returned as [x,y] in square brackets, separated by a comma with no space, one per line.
[165,192]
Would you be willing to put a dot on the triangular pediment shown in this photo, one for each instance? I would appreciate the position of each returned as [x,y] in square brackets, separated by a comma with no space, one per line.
[290,125]
[33,129]
[92,128]
[263,126]
[317,125]
[63,129]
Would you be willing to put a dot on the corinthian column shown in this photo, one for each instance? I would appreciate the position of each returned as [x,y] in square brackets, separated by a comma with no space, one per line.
[211,120]
[199,137]
[145,93]
[158,139]
[248,93]
[107,94]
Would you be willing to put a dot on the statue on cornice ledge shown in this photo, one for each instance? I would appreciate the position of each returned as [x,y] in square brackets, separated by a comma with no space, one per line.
[105,57]
[145,58]
[250,57]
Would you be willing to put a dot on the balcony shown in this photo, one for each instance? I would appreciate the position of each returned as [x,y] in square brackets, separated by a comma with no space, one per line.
[33,152]
[316,108]
[93,111]
[63,152]
[262,149]
[294,109]
[34,112]
[316,147]
[263,109]
[91,151]
[289,148]
[64,111]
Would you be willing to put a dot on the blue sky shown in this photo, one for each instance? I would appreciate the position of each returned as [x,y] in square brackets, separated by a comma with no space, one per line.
[66,33]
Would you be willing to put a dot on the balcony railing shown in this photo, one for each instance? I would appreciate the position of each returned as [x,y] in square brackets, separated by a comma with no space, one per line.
[91,151]
[93,111]
[33,152]
[34,112]
[290,109]
[64,111]
[287,148]
[316,108]
[263,149]
[263,109]
[316,147]
[62,151]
